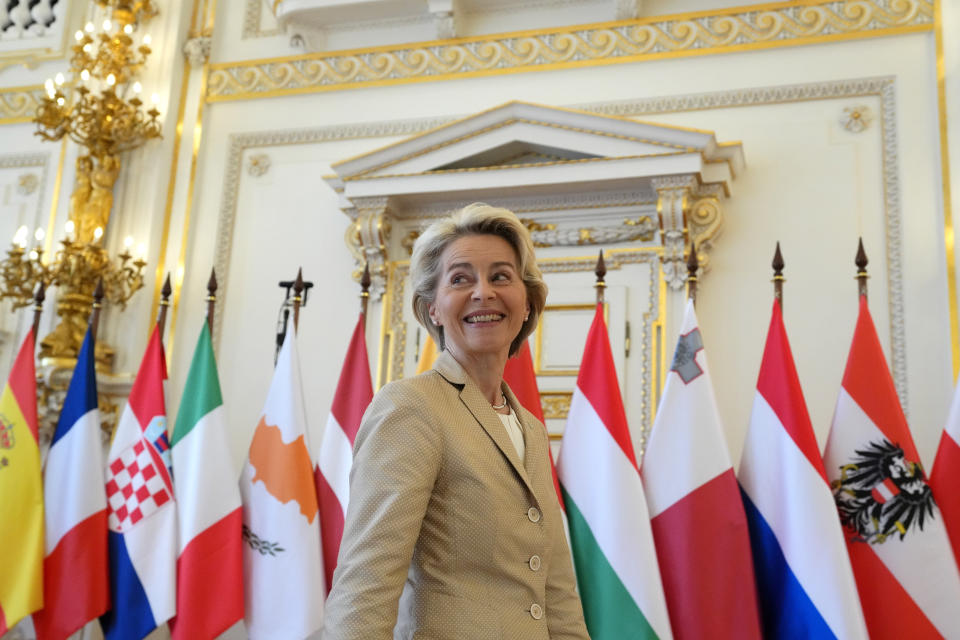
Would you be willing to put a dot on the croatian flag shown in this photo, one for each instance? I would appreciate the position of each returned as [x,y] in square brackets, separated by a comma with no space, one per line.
[804,581]
[906,577]
[75,588]
[141,515]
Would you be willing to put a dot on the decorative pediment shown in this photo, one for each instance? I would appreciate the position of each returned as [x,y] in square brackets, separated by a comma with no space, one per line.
[589,179]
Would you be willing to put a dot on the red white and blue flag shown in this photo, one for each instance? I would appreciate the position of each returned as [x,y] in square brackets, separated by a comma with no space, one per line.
[805,584]
[141,515]
[908,583]
[75,587]
[699,525]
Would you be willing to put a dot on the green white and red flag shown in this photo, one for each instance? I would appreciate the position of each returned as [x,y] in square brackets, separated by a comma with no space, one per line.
[610,533]
[210,554]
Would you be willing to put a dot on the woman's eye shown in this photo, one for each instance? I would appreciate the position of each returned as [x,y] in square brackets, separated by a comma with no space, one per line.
[502,276]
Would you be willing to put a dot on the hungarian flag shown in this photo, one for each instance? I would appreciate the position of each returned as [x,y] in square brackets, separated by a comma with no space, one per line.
[945,475]
[141,513]
[75,570]
[210,555]
[21,493]
[699,524]
[908,582]
[610,535]
[522,380]
[804,580]
[353,395]
[282,566]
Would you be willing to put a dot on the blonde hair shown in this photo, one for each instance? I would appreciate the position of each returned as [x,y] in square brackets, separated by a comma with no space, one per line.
[474,219]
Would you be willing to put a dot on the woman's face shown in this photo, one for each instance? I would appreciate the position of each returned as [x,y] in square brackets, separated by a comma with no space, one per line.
[481,301]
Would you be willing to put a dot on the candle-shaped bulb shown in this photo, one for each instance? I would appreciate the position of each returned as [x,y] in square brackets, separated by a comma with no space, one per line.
[33,254]
[146,40]
[88,48]
[61,101]
[20,237]
[98,233]
[39,234]
[107,25]
[59,79]
[88,27]
[48,85]
[111,80]
[155,98]
[128,29]
[69,227]
[78,35]
[128,242]
[85,75]
[137,87]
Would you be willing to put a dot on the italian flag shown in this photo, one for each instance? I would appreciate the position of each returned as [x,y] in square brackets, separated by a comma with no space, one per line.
[210,556]
[610,533]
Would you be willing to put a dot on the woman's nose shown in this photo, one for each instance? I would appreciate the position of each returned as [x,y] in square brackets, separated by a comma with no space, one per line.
[483,290]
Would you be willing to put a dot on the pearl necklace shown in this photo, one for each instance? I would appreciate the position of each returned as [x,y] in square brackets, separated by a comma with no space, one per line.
[502,404]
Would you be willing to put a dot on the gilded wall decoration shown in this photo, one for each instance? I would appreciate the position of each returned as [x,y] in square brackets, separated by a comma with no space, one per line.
[258,164]
[723,30]
[19,104]
[856,118]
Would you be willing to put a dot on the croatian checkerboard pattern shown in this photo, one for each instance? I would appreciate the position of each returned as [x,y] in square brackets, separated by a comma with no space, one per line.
[135,488]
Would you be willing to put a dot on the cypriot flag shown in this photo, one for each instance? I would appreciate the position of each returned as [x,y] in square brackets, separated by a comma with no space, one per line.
[283,571]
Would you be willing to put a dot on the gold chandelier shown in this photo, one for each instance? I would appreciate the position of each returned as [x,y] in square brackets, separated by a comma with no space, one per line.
[100,108]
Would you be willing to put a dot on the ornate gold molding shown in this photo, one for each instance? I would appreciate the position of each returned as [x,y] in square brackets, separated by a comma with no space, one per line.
[19,104]
[745,28]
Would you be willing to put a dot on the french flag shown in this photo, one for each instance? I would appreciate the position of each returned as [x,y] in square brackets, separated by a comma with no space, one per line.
[141,512]
[805,583]
[75,587]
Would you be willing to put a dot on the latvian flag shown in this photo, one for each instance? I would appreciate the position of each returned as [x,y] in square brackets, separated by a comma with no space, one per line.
[699,525]
[804,580]
[945,475]
[141,515]
[610,535]
[75,587]
[332,475]
[908,583]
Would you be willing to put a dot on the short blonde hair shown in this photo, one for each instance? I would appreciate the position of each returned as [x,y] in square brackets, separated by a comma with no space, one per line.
[474,219]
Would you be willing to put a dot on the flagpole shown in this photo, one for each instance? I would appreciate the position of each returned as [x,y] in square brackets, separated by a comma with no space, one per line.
[601,272]
[38,308]
[211,297]
[778,278]
[297,298]
[861,262]
[365,292]
[693,264]
[164,305]
[97,305]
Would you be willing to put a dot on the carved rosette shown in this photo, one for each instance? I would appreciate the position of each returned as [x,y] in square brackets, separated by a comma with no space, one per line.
[197,50]
[367,239]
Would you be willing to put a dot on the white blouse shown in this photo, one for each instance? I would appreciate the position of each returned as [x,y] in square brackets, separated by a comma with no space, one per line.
[512,424]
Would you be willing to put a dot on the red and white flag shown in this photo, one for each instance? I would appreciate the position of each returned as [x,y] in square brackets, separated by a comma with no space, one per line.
[945,475]
[332,475]
[699,525]
[522,380]
[908,583]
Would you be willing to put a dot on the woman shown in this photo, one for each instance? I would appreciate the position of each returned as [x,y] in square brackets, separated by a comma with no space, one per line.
[453,530]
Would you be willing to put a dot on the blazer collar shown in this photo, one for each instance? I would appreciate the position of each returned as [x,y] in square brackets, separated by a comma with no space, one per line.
[448,367]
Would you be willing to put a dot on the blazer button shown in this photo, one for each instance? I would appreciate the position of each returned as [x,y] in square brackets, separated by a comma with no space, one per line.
[534,514]
[535,563]
[536,611]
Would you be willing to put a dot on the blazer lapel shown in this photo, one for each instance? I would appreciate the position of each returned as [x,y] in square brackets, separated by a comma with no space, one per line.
[447,366]
[534,445]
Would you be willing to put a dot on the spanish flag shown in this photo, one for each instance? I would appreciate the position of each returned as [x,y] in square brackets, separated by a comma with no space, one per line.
[21,494]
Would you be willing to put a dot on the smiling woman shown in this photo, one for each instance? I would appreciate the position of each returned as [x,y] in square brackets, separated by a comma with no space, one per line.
[452,510]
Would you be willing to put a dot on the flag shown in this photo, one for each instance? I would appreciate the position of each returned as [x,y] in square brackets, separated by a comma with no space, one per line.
[75,586]
[332,476]
[21,493]
[282,567]
[209,517]
[908,582]
[141,514]
[428,355]
[522,380]
[610,535]
[945,475]
[699,524]
[804,581]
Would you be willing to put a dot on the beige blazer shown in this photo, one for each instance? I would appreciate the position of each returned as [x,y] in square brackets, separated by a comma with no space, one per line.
[448,534]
